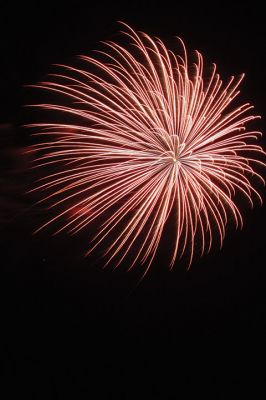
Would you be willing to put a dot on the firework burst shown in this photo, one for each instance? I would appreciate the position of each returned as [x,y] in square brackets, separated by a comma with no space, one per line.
[154,140]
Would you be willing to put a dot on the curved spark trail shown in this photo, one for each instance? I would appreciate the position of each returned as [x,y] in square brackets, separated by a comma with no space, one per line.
[153,140]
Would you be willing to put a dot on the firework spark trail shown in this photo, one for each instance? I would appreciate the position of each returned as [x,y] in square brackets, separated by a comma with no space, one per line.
[152,138]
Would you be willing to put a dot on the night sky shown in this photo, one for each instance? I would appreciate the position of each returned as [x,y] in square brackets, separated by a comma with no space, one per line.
[71,327]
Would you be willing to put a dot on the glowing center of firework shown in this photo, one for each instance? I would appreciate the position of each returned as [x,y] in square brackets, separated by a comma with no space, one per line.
[172,157]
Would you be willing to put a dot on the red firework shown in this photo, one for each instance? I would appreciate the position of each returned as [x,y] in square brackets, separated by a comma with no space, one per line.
[153,140]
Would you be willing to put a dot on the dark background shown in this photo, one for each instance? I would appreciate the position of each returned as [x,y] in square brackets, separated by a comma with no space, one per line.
[70,327]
